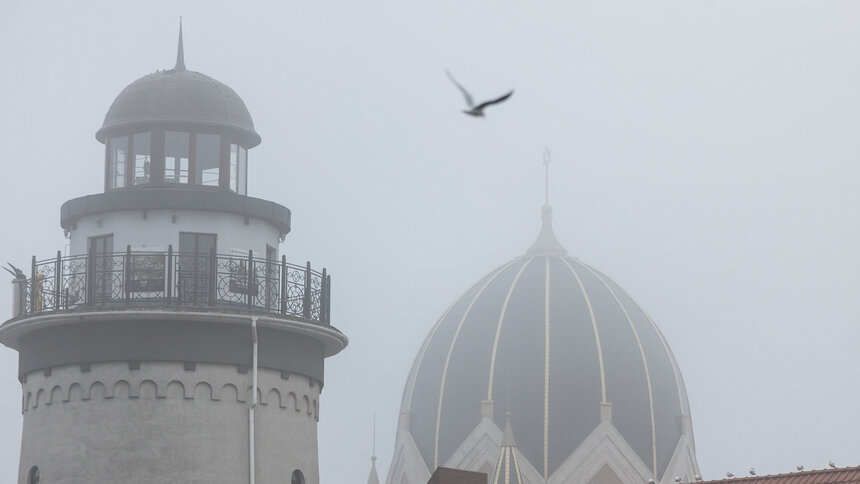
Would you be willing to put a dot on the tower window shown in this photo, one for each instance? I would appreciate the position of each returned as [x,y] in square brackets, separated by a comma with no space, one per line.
[208,159]
[117,155]
[238,168]
[298,477]
[33,476]
[141,146]
[176,157]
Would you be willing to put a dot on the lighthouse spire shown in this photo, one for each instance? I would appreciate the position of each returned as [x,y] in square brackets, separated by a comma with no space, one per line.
[180,51]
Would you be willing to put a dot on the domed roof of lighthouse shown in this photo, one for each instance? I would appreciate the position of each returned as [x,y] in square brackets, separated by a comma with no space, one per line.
[571,352]
[179,98]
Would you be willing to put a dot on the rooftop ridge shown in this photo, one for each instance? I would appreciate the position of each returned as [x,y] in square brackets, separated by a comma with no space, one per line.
[839,475]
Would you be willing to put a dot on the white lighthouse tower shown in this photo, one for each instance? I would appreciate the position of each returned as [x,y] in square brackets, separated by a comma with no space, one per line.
[172,344]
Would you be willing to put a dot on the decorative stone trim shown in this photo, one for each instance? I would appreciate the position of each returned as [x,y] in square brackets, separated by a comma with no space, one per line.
[165,381]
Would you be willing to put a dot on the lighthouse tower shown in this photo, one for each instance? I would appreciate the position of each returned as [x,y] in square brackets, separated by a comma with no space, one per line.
[172,343]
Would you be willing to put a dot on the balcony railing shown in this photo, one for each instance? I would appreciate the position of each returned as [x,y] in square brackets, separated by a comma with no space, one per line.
[174,279]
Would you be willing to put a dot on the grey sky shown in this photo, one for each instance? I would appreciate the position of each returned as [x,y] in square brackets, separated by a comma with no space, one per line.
[705,157]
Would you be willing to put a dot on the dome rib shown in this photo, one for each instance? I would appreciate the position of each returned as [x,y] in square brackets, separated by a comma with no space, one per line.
[596,332]
[644,363]
[499,327]
[451,350]
[546,374]
[416,367]
[679,381]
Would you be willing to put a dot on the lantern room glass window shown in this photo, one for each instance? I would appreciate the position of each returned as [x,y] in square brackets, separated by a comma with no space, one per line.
[117,156]
[208,159]
[176,157]
[238,169]
[141,158]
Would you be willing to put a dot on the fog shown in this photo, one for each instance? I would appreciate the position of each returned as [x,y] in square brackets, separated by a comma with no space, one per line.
[705,157]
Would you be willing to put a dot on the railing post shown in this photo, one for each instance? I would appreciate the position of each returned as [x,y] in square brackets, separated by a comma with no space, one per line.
[33,294]
[328,300]
[58,266]
[283,284]
[129,275]
[168,290]
[91,276]
[306,303]
[249,299]
[323,296]
[213,275]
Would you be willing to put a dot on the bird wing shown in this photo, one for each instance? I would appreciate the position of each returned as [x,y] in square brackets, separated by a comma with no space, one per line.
[462,89]
[494,101]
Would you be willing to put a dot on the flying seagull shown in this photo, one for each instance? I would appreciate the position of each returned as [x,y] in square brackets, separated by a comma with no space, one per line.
[477,111]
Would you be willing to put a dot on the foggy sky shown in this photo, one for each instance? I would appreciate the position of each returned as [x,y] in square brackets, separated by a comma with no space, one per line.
[705,157]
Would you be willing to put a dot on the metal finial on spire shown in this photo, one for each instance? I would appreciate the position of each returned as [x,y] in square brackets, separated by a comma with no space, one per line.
[547,159]
[546,243]
[180,51]
[373,478]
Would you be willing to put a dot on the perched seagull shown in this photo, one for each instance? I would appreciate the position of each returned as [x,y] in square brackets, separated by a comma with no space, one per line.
[677,479]
[799,468]
[477,111]
[729,474]
[752,471]
[18,273]
[831,464]
[697,477]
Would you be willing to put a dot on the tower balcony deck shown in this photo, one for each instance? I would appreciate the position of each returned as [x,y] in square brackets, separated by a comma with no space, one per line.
[173,280]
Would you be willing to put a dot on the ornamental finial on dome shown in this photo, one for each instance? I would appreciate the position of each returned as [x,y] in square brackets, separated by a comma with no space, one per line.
[180,51]
[546,243]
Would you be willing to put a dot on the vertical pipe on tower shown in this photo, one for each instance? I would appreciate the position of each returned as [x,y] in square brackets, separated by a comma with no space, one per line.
[253,401]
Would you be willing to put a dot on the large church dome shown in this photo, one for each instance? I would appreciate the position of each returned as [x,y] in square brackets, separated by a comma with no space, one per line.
[572,359]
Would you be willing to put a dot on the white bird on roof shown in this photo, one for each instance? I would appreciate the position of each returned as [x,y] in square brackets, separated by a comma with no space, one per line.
[752,471]
[477,111]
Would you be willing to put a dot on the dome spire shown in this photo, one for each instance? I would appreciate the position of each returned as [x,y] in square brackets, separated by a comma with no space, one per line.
[180,51]
[373,478]
[546,243]
[508,467]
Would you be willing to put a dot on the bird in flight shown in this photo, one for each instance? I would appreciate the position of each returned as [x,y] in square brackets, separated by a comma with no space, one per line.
[477,111]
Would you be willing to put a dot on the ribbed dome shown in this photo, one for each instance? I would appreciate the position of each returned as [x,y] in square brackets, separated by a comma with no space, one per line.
[179,97]
[553,337]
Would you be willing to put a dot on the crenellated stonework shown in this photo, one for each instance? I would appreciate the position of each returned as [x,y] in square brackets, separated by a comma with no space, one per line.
[164,380]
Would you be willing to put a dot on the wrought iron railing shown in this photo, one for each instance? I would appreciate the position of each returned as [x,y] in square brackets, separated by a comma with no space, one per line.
[175,279]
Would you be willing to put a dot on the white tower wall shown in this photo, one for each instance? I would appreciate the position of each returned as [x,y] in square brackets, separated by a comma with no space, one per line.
[156,229]
[163,423]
